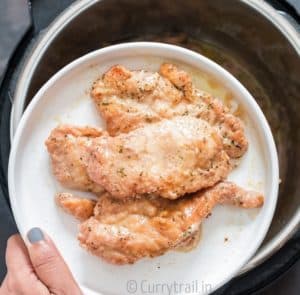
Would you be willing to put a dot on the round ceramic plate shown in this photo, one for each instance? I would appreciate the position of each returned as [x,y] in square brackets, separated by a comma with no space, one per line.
[229,237]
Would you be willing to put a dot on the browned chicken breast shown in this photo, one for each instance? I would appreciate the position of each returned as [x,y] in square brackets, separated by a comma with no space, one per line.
[131,99]
[157,172]
[168,159]
[67,148]
[124,231]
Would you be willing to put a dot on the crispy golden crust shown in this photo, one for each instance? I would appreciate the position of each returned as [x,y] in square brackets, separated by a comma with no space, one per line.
[131,99]
[80,208]
[67,148]
[123,232]
[168,159]
[121,97]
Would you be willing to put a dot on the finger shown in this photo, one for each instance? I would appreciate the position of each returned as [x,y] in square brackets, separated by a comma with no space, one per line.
[20,278]
[16,255]
[3,287]
[49,265]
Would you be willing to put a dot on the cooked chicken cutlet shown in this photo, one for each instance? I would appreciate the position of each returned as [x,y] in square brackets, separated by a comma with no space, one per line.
[67,148]
[124,231]
[169,159]
[131,99]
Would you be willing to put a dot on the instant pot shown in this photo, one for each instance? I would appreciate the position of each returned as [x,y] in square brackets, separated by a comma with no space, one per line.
[258,43]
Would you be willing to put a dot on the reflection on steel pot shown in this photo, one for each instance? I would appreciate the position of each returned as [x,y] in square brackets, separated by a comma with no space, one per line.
[248,38]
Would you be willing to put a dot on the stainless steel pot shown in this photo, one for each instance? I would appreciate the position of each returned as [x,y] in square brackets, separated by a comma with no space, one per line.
[260,46]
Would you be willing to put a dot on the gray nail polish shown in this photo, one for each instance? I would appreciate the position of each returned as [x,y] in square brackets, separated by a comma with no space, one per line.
[35,235]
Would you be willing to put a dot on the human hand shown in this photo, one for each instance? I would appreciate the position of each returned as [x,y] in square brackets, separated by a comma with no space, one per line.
[36,268]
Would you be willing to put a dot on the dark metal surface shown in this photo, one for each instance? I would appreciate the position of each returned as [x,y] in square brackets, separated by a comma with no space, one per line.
[15,21]
[295,5]
[260,76]
[292,7]
[286,284]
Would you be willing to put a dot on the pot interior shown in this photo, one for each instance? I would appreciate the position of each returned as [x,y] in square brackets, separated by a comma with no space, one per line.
[234,35]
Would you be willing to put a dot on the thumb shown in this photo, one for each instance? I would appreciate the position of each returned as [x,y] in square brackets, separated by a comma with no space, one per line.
[48,264]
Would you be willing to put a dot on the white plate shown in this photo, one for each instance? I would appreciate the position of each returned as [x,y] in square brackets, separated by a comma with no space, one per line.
[65,99]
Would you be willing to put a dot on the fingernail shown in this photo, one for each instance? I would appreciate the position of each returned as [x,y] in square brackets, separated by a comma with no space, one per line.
[35,235]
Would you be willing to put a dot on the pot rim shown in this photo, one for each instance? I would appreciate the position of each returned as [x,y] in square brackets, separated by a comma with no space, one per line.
[280,22]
